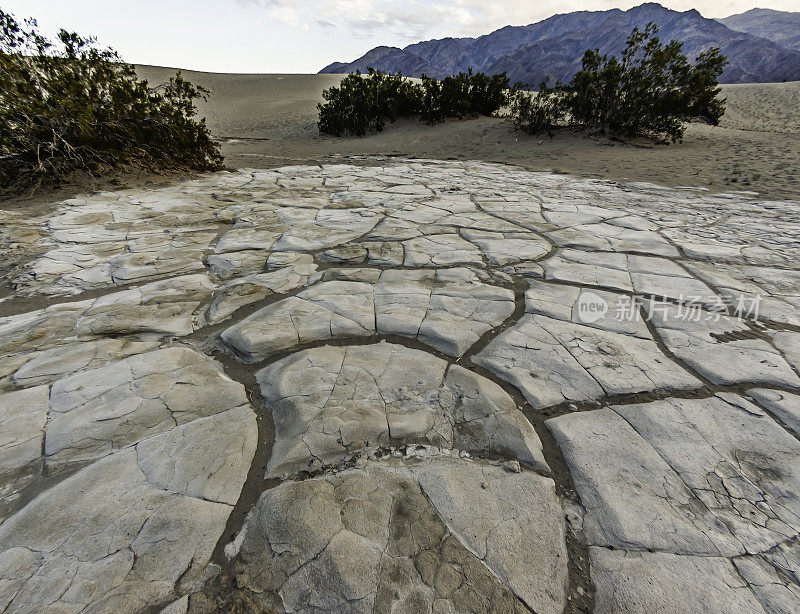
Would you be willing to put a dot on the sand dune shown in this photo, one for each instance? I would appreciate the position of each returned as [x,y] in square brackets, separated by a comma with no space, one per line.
[766,107]
[270,120]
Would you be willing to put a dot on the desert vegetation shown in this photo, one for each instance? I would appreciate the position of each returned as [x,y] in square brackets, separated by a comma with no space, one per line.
[364,103]
[68,105]
[651,90]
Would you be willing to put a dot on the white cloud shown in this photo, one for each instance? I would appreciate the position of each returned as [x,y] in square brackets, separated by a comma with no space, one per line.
[404,19]
[291,12]
[413,20]
[409,19]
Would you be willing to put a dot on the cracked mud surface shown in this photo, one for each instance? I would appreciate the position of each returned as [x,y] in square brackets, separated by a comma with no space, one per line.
[376,388]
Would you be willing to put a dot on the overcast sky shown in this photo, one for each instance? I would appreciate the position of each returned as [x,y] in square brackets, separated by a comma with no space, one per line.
[302,36]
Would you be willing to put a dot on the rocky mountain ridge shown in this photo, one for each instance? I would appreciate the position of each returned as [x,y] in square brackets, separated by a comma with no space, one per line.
[780,27]
[552,49]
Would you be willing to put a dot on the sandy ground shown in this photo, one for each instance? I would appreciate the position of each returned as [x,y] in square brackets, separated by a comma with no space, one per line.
[270,120]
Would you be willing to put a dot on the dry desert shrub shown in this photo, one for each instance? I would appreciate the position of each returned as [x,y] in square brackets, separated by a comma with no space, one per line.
[651,90]
[69,105]
[363,103]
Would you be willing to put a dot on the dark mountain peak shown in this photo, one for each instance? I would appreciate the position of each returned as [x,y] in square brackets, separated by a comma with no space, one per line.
[649,7]
[655,11]
[446,39]
[382,51]
[759,12]
[553,48]
[391,59]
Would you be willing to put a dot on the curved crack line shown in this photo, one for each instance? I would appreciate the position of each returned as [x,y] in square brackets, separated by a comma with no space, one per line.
[489,335]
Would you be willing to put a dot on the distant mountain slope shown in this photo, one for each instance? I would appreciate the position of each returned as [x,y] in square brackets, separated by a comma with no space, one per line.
[553,48]
[391,59]
[780,27]
[751,59]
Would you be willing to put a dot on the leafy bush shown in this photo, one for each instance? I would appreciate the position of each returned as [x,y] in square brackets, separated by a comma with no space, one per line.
[535,113]
[702,92]
[69,105]
[489,94]
[463,95]
[436,104]
[364,103]
[651,89]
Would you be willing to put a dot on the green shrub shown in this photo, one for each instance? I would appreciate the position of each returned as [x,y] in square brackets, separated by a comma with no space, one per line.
[435,103]
[364,103]
[69,105]
[466,94]
[651,89]
[702,93]
[489,94]
[535,113]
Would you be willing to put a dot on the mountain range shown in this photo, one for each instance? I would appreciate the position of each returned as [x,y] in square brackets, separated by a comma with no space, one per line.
[761,45]
[778,26]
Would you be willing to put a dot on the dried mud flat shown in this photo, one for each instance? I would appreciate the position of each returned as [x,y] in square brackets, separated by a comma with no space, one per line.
[416,386]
